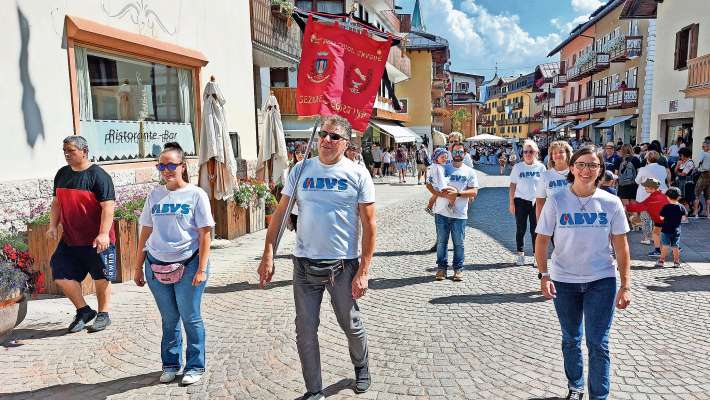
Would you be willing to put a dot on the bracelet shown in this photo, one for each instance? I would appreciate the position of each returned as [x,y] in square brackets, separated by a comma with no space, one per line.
[625,288]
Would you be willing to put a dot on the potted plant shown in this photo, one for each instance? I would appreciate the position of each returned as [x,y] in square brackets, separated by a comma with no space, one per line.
[231,215]
[18,279]
[129,205]
[256,216]
[269,208]
[282,9]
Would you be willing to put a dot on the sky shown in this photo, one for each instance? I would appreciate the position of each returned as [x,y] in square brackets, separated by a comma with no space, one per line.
[515,34]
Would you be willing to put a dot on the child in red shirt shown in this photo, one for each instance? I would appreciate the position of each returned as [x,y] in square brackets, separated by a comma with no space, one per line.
[652,205]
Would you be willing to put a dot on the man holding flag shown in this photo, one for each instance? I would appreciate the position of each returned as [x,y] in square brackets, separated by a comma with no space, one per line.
[338,79]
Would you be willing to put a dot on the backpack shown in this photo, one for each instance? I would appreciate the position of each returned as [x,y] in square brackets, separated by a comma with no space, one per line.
[627,173]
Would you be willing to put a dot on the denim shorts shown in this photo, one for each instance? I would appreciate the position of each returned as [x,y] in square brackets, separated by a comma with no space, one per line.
[670,239]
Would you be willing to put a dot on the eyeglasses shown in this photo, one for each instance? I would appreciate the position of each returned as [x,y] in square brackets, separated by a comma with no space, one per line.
[169,166]
[456,152]
[528,151]
[333,136]
[582,165]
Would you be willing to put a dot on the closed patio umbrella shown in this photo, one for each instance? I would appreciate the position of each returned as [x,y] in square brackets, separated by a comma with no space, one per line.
[273,156]
[218,167]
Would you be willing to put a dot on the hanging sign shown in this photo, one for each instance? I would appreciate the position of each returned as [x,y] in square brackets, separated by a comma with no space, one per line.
[340,72]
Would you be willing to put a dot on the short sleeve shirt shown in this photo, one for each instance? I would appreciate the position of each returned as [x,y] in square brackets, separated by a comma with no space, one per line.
[328,200]
[552,182]
[582,228]
[672,215]
[176,217]
[80,194]
[526,178]
[461,178]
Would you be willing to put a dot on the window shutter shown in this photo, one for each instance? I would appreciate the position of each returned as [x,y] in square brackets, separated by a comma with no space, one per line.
[693,42]
[677,55]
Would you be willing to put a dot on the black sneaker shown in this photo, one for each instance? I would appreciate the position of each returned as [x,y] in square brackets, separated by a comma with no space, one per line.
[80,321]
[101,322]
[362,379]
[574,395]
[313,396]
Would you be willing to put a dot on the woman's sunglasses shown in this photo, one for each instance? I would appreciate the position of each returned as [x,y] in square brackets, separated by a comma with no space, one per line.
[169,166]
[333,136]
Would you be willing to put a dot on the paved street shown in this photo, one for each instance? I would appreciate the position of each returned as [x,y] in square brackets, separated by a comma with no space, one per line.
[490,337]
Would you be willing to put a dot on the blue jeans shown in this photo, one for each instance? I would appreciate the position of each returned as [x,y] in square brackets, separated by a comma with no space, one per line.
[595,302]
[454,227]
[180,302]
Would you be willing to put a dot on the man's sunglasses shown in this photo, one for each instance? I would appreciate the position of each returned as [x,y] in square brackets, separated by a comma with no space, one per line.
[333,136]
[169,166]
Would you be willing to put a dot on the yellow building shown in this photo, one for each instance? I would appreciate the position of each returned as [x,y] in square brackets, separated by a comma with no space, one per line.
[510,110]
[414,94]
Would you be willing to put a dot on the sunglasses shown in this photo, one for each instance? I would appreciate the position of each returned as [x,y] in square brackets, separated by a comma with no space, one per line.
[582,165]
[169,166]
[457,152]
[528,151]
[333,136]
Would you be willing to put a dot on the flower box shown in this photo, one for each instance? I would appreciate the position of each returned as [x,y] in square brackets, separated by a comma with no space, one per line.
[126,249]
[230,220]
[256,216]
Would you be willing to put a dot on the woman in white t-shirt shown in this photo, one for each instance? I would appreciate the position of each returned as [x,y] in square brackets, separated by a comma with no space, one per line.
[586,222]
[524,179]
[651,170]
[175,229]
[555,178]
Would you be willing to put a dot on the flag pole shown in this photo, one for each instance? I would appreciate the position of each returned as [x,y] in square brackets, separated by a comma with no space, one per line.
[292,199]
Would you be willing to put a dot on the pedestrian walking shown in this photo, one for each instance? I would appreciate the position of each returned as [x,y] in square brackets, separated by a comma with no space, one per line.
[83,202]
[173,259]
[651,170]
[611,159]
[451,221]
[334,199]
[628,169]
[400,159]
[423,162]
[702,186]
[377,160]
[652,205]
[581,280]
[386,161]
[555,178]
[524,179]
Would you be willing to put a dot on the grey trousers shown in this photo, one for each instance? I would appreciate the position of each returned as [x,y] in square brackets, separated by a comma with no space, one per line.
[308,295]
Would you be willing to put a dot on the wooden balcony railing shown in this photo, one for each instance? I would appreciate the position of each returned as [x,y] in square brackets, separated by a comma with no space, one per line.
[572,108]
[598,62]
[622,98]
[558,111]
[400,60]
[559,81]
[286,98]
[698,77]
[518,105]
[630,47]
[592,104]
[274,33]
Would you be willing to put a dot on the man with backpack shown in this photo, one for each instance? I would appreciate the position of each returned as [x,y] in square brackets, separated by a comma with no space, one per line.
[627,170]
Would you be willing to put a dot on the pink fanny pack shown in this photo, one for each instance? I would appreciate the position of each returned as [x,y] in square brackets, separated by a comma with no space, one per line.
[171,273]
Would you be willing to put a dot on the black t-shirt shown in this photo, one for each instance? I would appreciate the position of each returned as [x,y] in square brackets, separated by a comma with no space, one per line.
[80,194]
[672,215]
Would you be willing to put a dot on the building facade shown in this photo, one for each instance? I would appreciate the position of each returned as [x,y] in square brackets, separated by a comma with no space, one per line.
[128,76]
[510,109]
[681,87]
[462,94]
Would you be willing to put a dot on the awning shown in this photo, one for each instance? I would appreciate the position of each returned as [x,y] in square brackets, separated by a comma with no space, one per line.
[561,126]
[400,134]
[613,121]
[297,128]
[586,123]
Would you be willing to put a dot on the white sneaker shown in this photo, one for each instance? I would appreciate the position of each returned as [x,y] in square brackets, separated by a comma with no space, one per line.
[191,377]
[520,259]
[167,377]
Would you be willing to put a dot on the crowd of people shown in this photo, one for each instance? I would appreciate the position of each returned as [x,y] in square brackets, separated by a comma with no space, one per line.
[569,195]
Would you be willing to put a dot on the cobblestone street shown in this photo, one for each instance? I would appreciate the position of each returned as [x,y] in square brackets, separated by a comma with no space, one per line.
[491,336]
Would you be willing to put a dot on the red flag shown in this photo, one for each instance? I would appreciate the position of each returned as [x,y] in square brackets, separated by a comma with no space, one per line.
[340,73]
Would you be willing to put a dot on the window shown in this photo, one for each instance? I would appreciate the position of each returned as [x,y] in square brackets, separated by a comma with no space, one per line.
[588,92]
[631,77]
[571,96]
[462,86]
[633,27]
[326,6]
[120,96]
[686,46]
[615,82]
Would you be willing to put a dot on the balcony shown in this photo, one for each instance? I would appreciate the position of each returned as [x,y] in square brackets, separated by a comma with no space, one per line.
[698,77]
[400,61]
[274,36]
[588,66]
[500,108]
[518,105]
[622,98]
[572,108]
[627,48]
[559,81]
[558,111]
[286,98]
[592,104]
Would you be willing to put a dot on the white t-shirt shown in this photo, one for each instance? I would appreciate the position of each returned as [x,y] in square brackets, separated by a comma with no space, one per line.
[552,182]
[377,154]
[673,150]
[436,177]
[652,170]
[328,214]
[461,178]
[386,157]
[526,177]
[583,249]
[175,216]
[704,162]
[468,160]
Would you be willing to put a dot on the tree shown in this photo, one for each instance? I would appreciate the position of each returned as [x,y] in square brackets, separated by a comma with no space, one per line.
[459,117]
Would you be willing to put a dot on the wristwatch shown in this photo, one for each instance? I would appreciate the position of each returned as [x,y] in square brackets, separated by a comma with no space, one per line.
[541,275]
[458,194]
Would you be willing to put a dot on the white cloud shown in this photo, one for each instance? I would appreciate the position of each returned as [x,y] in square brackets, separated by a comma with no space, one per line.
[566,27]
[479,39]
[586,6]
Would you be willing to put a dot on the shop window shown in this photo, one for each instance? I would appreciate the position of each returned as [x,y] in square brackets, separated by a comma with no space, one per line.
[130,108]
[325,6]
[686,46]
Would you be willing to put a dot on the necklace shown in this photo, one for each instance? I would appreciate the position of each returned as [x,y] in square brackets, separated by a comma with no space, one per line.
[582,207]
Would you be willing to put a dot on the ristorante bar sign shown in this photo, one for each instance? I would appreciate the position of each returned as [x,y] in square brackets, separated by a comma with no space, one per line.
[109,140]
[340,72]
